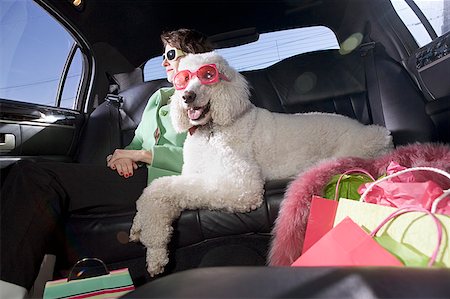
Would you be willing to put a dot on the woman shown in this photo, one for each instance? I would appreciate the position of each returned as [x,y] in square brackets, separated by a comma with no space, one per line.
[154,151]
[36,197]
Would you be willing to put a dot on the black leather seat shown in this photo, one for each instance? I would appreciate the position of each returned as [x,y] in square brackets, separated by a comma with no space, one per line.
[299,282]
[320,81]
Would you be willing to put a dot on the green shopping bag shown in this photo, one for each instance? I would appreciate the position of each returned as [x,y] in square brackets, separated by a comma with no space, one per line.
[413,230]
[111,284]
[409,237]
[406,253]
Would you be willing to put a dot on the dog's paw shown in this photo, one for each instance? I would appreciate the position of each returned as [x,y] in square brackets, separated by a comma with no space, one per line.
[254,207]
[250,203]
[136,228]
[135,233]
[156,260]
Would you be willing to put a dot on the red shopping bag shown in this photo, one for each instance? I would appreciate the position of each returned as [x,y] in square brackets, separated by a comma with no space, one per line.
[321,219]
[347,245]
[323,211]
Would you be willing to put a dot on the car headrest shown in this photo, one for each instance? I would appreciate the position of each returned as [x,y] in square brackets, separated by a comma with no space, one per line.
[317,76]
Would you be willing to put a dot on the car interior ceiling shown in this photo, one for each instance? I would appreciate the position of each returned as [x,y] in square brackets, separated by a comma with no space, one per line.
[346,85]
[135,46]
[152,20]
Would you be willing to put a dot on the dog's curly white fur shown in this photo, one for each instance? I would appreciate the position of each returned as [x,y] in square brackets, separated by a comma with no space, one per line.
[237,147]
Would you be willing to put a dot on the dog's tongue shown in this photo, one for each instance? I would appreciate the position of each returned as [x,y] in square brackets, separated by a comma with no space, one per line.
[194,113]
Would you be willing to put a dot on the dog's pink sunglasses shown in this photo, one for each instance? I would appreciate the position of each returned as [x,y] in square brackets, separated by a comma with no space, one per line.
[207,74]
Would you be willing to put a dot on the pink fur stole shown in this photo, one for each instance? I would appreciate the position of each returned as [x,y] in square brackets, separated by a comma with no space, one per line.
[288,232]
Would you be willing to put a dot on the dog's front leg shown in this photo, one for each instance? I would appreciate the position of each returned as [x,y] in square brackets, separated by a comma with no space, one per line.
[152,225]
[228,192]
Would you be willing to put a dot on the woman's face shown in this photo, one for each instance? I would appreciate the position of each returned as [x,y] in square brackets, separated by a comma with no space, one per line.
[171,65]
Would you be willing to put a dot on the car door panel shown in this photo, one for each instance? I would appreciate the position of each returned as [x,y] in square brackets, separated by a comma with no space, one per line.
[29,131]
[431,65]
[439,111]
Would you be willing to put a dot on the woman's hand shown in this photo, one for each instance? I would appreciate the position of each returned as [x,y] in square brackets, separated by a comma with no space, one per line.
[125,167]
[125,161]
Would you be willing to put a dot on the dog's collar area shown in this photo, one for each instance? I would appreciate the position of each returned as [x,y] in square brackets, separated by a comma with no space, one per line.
[192,130]
[209,125]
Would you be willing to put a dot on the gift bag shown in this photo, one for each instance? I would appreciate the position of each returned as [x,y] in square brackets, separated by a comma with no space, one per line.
[320,220]
[111,284]
[408,187]
[414,231]
[347,245]
[400,250]
[323,210]
[347,184]
[409,256]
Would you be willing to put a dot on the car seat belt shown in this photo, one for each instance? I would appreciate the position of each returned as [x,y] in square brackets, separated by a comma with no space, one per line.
[115,118]
[373,88]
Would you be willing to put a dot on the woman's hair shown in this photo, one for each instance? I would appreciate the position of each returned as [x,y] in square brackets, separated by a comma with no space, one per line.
[187,40]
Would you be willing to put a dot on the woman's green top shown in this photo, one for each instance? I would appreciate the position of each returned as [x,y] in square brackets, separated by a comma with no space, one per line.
[156,134]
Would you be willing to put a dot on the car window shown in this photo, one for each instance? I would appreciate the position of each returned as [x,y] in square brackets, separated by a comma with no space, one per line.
[34,51]
[437,13]
[72,82]
[267,50]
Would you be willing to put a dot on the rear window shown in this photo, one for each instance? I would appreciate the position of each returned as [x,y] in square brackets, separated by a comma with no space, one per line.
[267,50]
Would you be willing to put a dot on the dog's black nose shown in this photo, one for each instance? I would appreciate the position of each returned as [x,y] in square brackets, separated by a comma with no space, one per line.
[189,96]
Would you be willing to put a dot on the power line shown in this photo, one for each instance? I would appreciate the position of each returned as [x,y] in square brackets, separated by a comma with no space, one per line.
[37,82]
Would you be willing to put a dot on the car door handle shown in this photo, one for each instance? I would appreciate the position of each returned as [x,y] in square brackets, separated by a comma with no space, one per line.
[7,141]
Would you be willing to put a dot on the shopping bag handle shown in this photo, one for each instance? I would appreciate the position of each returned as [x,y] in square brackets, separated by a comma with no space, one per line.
[418,168]
[71,277]
[438,200]
[415,209]
[353,170]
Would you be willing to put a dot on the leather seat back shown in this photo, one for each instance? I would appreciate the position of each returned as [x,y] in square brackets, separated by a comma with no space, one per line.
[328,81]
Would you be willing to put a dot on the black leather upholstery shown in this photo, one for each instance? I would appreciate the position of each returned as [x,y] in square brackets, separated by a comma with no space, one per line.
[299,282]
[439,111]
[98,141]
[320,81]
[328,81]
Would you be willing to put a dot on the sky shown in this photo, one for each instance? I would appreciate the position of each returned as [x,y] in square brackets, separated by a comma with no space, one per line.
[433,10]
[26,30]
[25,73]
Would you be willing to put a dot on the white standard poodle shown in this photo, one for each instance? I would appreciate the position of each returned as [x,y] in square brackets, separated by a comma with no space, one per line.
[233,147]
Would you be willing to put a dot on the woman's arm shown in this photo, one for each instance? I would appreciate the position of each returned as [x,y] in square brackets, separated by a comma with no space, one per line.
[124,161]
[134,155]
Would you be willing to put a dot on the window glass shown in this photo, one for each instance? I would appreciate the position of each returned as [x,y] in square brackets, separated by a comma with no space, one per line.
[73,80]
[436,11]
[267,50]
[34,48]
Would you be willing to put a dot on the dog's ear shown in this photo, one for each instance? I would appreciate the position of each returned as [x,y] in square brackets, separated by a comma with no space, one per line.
[179,118]
[231,98]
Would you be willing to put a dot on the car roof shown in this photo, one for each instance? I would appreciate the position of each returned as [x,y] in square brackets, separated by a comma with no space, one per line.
[133,27]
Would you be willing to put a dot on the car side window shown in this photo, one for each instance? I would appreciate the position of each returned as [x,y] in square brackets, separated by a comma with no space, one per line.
[436,12]
[267,50]
[34,52]
[72,82]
